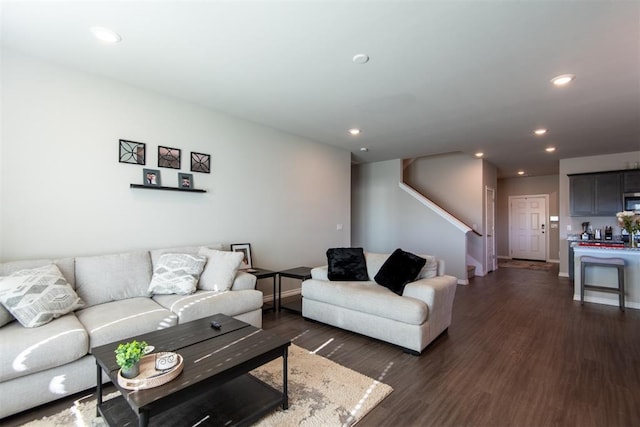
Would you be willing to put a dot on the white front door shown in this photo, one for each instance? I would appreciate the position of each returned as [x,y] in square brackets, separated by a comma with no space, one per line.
[527,227]
[490,229]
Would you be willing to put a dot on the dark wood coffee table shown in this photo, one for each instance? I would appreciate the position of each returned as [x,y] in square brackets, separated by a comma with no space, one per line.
[214,387]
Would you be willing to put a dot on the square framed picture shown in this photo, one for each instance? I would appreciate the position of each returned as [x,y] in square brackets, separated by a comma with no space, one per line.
[200,162]
[185,180]
[168,157]
[151,177]
[245,248]
[132,152]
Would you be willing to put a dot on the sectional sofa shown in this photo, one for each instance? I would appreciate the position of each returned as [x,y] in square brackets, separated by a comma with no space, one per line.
[411,319]
[44,363]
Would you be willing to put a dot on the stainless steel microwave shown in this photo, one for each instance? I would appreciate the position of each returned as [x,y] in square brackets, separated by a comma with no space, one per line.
[631,202]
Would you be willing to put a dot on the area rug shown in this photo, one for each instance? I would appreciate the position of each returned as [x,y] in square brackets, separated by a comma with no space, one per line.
[530,265]
[321,393]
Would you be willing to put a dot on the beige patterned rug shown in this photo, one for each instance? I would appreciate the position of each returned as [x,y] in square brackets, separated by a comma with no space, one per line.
[321,393]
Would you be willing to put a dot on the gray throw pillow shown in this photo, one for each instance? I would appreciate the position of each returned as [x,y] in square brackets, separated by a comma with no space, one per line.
[177,274]
[37,296]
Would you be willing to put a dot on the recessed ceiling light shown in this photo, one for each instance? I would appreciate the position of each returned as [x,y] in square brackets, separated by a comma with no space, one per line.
[563,79]
[520,172]
[361,58]
[540,131]
[550,149]
[106,35]
[479,154]
[364,149]
[354,131]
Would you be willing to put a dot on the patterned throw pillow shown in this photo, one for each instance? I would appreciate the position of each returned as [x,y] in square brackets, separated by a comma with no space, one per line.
[177,274]
[37,296]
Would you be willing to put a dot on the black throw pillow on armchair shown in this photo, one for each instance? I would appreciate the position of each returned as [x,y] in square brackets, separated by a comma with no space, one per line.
[399,269]
[347,264]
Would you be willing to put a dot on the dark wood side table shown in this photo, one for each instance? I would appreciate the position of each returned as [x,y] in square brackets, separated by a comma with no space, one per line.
[262,273]
[300,273]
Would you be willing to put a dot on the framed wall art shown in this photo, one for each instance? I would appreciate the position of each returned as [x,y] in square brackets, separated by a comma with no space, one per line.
[245,248]
[168,157]
[200,162]
[132,152]
[185,180]
[151,177]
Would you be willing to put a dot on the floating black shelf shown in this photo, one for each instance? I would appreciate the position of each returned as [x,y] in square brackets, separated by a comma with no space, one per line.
[150,187]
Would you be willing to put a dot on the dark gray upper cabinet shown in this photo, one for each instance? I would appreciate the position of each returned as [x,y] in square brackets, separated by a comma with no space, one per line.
[596,194]
[631,181]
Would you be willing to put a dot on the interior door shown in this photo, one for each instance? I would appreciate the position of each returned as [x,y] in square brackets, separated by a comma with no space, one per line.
[528,234]
[490,216]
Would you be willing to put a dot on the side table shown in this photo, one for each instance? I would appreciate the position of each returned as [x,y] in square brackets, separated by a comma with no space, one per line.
[300,273]
[262,273]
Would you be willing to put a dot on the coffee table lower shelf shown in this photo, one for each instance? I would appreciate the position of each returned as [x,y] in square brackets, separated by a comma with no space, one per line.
[239,402]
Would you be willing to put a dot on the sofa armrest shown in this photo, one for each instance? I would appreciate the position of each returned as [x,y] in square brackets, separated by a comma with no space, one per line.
[244,281]
[438,293]
[320,273]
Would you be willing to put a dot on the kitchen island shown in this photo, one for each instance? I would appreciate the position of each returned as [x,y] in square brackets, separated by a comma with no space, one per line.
[608,276]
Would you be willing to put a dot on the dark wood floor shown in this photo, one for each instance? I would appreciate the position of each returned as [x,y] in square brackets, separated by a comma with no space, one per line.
[519,352]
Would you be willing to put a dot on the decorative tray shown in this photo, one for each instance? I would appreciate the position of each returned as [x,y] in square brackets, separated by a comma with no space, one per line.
[149,376]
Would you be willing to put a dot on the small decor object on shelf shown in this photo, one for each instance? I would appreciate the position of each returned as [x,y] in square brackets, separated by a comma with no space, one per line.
[151,177]
[629,221]
[245,248]
[132,152]
[168,157]
[185,180]
[128,357]
[200,162]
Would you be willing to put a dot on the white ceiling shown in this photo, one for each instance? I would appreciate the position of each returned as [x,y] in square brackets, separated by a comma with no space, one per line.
[444,76]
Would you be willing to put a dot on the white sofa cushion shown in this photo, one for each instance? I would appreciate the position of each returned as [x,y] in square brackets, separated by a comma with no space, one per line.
[367,297]
[106,278]
[38,295]
[207,303]
[119,320]
[221,269]
[60,341]
[177,274]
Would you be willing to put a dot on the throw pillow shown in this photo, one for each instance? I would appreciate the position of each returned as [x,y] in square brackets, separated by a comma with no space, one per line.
[177,274]
[221,269]
[37,296]
[399,269]
[430,268]
[347,264]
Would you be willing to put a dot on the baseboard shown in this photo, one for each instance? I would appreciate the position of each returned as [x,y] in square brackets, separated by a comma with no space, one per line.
[606,301]
[554,261]
[463,281]
[561,274]
[285,294]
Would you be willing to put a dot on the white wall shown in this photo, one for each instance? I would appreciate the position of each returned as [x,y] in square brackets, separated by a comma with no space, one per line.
[63,192]
[384,218]
[456,182]
[602,163]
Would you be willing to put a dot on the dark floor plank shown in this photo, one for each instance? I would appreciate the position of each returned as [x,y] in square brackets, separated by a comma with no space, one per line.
[519,352]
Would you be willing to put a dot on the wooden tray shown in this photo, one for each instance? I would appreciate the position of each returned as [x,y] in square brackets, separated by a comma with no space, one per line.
[149,377]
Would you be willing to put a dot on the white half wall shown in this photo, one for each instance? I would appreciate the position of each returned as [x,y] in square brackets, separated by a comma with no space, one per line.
[64,193]
[385,217]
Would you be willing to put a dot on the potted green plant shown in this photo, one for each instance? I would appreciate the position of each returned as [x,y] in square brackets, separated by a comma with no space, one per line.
[128,357]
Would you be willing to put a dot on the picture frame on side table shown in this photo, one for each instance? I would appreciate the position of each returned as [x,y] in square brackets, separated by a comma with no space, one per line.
[245,248]
[151,177]
[200,162]
[168,157]
[185,180]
